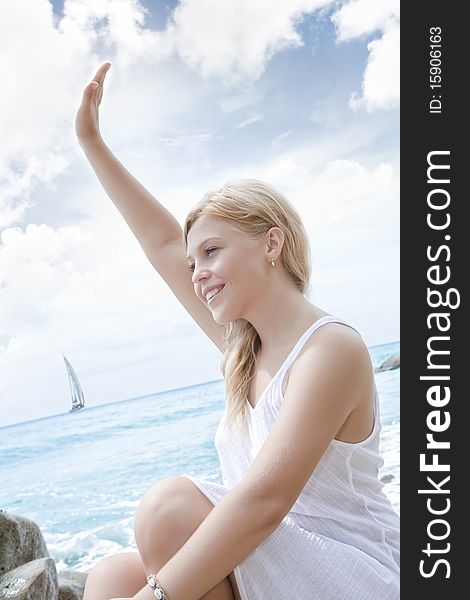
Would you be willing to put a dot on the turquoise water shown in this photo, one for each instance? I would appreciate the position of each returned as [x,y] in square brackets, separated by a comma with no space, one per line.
[80,476]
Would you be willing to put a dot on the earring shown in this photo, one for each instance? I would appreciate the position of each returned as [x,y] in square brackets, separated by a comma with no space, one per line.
[272,262]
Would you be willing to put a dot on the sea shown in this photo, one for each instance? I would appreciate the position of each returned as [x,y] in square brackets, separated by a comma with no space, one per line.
[80,476]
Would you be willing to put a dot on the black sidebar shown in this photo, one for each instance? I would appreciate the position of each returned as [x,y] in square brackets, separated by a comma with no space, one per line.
[435,251]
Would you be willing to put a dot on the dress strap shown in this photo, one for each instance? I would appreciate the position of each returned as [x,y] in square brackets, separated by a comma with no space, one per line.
[298,347]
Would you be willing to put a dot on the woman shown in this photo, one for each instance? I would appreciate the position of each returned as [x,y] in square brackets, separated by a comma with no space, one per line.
[301,514]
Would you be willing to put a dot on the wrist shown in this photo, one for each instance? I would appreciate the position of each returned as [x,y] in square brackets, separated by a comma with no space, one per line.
[156,588]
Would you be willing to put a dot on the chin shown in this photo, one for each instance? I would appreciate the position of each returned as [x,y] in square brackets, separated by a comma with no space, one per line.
[223,318]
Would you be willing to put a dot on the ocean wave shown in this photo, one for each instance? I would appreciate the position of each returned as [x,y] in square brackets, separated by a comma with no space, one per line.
[81,551]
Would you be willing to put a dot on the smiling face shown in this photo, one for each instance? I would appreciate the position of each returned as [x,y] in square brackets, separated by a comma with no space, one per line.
[220,254]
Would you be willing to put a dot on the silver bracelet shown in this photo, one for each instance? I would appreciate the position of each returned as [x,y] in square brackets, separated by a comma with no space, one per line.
[158,591]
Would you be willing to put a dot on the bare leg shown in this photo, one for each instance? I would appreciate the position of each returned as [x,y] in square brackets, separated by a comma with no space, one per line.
[168,515]
[119,575]
[123,576]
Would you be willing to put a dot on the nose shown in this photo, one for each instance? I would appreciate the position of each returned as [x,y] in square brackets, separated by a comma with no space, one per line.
[197,275]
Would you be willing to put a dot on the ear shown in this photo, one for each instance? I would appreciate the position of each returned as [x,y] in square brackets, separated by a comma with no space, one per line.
[274,242]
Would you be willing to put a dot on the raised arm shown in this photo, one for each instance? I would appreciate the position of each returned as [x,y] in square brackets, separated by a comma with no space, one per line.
[156,229]
[151,223]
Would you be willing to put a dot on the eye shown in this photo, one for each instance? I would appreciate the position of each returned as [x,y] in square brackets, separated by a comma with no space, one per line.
[191,267]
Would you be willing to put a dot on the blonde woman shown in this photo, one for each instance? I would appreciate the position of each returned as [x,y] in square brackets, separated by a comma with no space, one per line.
[301,514]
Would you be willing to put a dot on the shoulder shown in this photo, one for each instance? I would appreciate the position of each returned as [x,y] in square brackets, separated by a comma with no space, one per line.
[337,353]
[340,339]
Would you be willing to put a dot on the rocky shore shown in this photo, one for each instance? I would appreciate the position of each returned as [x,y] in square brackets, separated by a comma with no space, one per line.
[27,572]
[392,362]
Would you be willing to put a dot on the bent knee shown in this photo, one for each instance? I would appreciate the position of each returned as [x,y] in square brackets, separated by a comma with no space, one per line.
[162,496]
[171,509]
[160,506]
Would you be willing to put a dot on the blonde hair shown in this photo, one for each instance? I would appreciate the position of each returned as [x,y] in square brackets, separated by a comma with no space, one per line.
[253,207]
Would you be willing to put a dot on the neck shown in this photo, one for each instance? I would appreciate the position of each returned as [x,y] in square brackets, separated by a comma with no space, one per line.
[280,319]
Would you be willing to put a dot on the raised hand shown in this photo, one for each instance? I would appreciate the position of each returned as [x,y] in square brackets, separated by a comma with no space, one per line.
[154,226]
[87,125]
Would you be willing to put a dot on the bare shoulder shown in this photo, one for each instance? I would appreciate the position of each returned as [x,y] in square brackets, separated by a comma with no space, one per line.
[338,331]
[336,350]
[339,340]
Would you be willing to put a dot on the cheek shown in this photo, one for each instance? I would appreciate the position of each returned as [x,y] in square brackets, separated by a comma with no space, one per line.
[244,271]
[251,276]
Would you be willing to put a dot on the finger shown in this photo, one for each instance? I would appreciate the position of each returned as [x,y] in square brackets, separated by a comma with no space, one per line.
[101,72]
[89,91]
[99,94]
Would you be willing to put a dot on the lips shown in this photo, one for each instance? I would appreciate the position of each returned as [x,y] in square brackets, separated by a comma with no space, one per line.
[216,294]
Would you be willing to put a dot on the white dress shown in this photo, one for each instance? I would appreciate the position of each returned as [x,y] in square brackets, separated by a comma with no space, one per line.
[340,540]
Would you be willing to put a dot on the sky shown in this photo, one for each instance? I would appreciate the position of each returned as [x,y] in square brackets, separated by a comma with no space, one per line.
[302,94]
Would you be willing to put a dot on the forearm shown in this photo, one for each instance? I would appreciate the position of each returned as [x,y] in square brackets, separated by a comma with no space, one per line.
[231,532]
[152,224]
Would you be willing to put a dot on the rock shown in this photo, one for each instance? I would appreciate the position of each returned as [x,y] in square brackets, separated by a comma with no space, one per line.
[21,542]
[387,478]
[26,570]
[390,363]
[36,580]
[71,585]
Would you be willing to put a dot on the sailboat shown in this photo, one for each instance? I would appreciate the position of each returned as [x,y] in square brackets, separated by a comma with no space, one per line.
[78,400]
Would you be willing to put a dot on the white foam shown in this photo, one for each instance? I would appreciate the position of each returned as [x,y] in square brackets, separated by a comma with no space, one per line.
[83,550]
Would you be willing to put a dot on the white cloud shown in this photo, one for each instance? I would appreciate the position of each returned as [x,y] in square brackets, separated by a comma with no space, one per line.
[381,82]
[279,139]
[361,17]
[341,189]
[285,171]
[35,62]
[36,265]
[118,23]
[236,99]
[45,62]
[351,214]
[50,59]
[184,140]
[234,39]
[93,297]
[249,121]
[16,186]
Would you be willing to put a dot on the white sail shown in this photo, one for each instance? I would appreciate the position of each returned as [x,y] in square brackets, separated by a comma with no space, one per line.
[78,400]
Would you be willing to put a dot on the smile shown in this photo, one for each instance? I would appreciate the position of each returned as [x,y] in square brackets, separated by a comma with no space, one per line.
[213,293]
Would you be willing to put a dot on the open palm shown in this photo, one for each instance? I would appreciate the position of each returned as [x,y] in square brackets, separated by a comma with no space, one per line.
[87,119]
